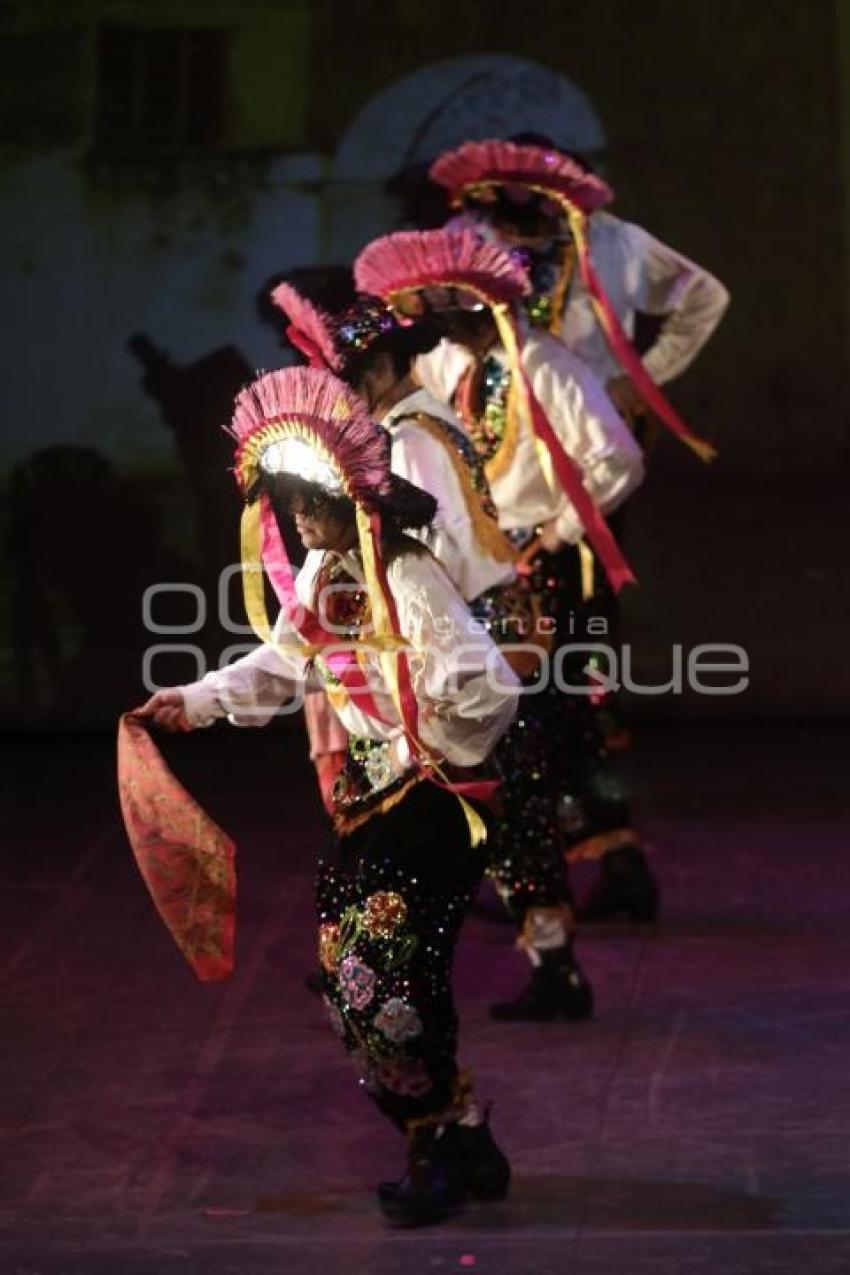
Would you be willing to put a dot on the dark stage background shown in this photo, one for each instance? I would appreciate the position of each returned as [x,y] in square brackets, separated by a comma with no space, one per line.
[164,161]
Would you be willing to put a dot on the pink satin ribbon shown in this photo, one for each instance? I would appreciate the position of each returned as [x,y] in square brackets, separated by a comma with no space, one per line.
[569,475]
[630,360]
[342,662]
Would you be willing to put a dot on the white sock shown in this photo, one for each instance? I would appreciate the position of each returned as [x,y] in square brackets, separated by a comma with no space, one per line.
[542,932]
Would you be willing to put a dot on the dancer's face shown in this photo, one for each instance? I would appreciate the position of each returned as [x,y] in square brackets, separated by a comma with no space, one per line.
[535,232]
[475,330]
[320,525]
[511,237]
[379,380]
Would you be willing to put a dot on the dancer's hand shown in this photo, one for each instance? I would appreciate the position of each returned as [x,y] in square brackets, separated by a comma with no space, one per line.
[626,399]
[166,709]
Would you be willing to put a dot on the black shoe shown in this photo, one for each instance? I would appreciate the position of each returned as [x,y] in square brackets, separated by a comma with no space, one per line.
[625,889]
[485,1168]
[558,989]
[431,1190]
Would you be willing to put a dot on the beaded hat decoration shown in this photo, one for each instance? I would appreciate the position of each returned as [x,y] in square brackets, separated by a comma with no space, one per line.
[361,324]
[332,340]
[473,170]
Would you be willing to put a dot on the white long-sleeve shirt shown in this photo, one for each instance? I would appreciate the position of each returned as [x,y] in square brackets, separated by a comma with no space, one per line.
[466,691]
[593,435]
[425,461]
[639,272]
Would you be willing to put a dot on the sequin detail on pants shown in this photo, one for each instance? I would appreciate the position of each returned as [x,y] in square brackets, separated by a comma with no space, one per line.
[398,888]
[593,808]
[526,846]
[526,857]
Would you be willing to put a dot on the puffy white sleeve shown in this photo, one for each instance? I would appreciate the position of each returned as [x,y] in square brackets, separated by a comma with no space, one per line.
[249,691]
[692,301]
[592,432]
[466,691]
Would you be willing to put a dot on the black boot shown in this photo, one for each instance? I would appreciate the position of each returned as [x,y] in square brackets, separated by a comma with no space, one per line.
[432,1188]
[558,989]
[625,888]
[485,1168]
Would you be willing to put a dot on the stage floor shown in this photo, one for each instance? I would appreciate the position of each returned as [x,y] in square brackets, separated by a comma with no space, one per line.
[699,1125]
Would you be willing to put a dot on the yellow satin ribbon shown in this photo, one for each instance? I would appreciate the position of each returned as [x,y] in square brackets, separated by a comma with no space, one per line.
[559,292]
[253,589]
[382,627]
[255,602]
[385,634]
[588,569]
[507,335]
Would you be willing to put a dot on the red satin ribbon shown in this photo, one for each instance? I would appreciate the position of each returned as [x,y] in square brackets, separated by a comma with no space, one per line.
[628,356]
[569,475]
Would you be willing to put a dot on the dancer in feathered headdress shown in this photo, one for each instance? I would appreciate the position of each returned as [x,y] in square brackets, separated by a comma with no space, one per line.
[553,445]
[592,273]
[547,205]
[430,449]
[373,616]
[374,353]
[581,458]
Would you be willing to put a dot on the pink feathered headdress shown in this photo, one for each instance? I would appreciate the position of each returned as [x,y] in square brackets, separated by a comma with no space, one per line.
[496,163]
[310,329]
[308,423]
[414,259]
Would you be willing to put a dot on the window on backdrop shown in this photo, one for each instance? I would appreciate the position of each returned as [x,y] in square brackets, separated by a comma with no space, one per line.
[160,90]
